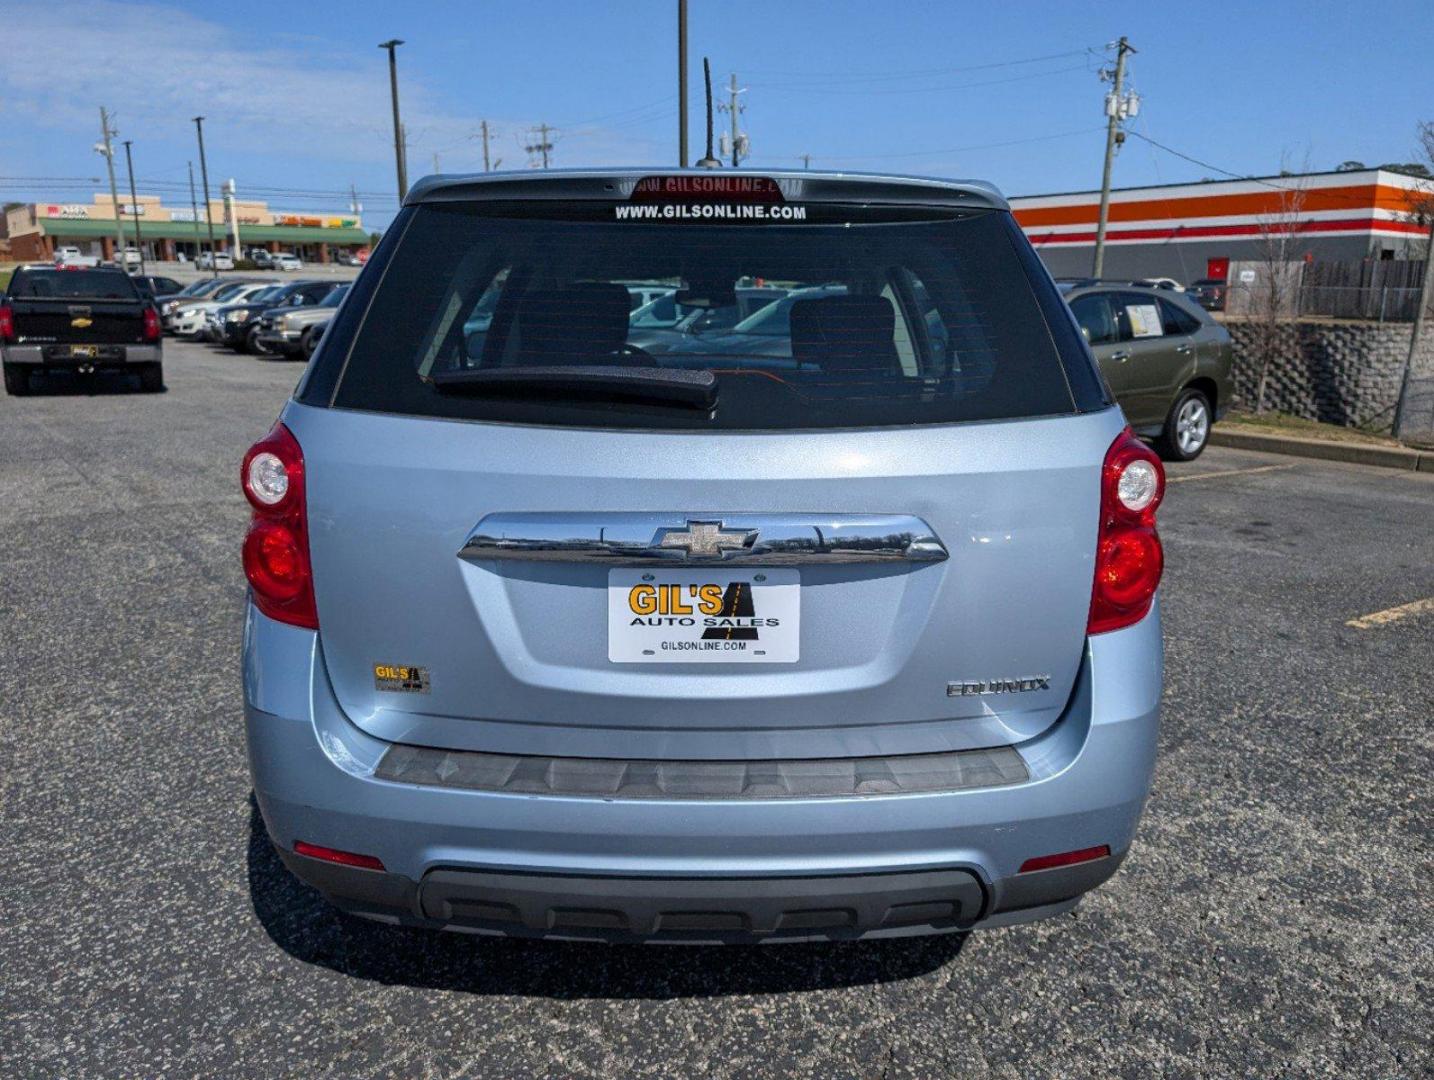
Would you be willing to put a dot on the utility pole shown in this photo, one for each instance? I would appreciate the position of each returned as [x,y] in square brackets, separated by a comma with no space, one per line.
[682,83]
[107,149]
[355,207]
[543,146]
[1426,297]
[734,108]
[400,157]
[1116,110]
[806,161]
[486,166]
[208,209]
[194,211]
[436,167]
[138,236]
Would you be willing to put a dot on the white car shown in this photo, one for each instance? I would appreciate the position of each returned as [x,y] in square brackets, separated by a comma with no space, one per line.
[67,255]
[209,260]
[194,320]
[128,258]
[286,260]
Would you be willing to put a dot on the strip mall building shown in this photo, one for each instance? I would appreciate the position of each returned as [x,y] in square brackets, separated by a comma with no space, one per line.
[1191,231]
[35,230]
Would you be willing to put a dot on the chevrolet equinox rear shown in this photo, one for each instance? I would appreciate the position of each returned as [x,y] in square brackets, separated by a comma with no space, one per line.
[836,619]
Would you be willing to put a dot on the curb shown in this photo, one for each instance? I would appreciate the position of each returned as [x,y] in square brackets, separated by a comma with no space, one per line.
[1388,457]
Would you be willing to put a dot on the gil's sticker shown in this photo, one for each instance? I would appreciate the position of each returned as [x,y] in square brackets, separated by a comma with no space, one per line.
[400,678]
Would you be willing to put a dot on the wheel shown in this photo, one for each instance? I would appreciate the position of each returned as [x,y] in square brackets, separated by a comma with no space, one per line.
[1187,427]
[17,380]
[308,343]
[151,378]
[251,341]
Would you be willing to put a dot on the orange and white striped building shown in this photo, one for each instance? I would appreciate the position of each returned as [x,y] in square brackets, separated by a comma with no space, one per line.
[1176,230]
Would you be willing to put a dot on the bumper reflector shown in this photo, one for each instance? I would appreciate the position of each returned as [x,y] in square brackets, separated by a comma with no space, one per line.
[344,858]
[1065,858]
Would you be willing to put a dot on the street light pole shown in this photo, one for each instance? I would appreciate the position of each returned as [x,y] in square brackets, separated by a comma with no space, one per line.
[208,212]
[398,153]
[138,236]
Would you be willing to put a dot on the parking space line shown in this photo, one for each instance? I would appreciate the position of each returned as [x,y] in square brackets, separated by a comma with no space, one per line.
[1394,614]
[1229,472]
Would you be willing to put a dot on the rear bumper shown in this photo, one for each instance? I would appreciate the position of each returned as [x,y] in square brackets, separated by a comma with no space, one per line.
[279,340]
[110,356]
[705,870]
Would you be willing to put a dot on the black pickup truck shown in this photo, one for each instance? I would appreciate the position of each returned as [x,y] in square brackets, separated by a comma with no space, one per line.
[77,320]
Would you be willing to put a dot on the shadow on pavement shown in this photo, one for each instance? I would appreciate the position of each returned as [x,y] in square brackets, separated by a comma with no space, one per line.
[302,923]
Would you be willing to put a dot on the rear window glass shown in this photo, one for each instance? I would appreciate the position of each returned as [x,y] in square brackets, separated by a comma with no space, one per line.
[803,326]
[72,285]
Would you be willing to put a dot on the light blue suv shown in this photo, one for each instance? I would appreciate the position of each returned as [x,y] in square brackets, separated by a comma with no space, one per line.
[550,636]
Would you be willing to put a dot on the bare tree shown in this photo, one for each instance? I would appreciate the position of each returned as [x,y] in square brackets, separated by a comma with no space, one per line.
[1275,295]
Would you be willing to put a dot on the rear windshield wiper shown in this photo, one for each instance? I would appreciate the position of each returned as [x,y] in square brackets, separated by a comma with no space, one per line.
[695,389]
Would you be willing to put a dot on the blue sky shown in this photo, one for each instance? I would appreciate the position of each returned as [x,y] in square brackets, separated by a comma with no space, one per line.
[296,95]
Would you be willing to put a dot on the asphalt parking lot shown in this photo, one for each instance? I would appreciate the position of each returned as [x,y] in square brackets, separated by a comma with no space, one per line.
[1273,918]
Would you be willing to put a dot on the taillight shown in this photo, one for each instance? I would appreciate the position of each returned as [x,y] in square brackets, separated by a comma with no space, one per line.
[334,855]
[1128,557]
[7,323]
[151,324]
[276,550]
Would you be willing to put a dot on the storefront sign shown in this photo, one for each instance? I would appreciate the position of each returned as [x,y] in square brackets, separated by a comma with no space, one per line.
[70,210]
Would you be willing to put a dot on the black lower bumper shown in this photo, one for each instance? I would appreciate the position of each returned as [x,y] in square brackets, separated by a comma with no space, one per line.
[694,910]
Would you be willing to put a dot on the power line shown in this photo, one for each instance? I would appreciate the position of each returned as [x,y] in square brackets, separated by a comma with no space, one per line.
[915,73]
[948,150]
[919,89]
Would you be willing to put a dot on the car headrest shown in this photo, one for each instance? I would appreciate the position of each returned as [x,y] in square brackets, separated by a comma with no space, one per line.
[845,333]
[583,322]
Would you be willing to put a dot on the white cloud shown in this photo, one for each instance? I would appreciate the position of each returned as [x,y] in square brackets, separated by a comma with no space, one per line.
[276,94]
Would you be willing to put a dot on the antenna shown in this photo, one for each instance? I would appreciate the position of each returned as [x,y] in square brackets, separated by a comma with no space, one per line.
[708,162]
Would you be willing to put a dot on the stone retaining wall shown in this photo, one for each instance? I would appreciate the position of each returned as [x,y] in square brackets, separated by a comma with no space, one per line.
[1345,373]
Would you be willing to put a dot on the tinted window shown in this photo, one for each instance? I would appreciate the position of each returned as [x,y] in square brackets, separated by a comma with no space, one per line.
[1096,319]
[1176,320]
[72,284]
[976,343]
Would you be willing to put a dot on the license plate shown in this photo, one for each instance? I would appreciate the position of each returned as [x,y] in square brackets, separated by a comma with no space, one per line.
[701,616]
[87,351]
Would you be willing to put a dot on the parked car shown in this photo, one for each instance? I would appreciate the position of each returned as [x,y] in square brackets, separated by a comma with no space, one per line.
[1165,359]
[210,260]
[128,259]
[238,324]
[1159,283]
[262,258]
[77,321]
[67,255]
[664,323]
[1209,293]
[564,640]
[194,292]
[294,332]
[347,258]
[765,333]
[287,260]
[155,287]
[193,320]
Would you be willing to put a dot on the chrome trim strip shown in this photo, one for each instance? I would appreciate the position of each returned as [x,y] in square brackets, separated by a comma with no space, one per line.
[646,539]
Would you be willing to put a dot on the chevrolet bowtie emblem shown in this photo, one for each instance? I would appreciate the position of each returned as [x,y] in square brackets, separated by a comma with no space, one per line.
[81,322]
[705,539]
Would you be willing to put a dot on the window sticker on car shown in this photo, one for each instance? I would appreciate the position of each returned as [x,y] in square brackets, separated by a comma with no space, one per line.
[1144,320]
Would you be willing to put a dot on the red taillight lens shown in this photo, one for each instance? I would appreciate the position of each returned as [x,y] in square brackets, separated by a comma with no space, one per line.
[333,855]
[151,324]
[7,323]
[1129,559]
[276,550]
[1065,858]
